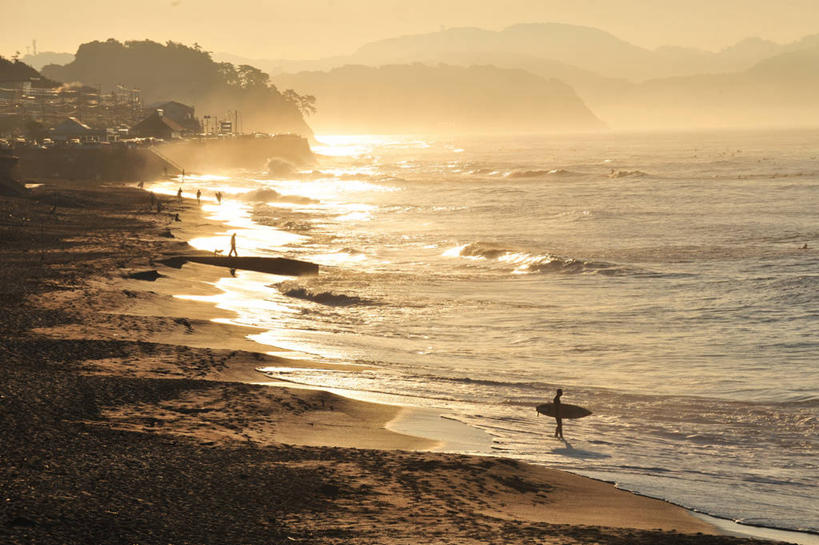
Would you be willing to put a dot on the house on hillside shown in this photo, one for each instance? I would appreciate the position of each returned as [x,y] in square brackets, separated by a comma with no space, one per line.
[182,114]
[72,128]
[157,125]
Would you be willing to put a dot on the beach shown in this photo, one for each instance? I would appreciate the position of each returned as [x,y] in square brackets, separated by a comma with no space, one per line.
[129,415]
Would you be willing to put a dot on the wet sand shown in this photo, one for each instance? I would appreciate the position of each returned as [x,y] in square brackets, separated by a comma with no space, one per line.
[128,416]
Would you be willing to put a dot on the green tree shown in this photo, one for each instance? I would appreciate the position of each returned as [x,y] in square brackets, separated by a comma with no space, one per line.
[305,103]
[251,77]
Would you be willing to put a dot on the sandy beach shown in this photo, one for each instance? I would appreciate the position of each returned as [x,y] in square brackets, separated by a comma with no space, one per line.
[129,416]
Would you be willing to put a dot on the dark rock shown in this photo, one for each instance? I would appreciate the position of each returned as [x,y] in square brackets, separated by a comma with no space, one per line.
[21,522]
[150,276]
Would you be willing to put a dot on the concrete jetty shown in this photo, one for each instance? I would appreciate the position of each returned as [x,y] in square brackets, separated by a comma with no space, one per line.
[270,265]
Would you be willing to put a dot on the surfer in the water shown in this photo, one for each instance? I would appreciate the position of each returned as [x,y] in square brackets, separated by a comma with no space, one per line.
[558,419]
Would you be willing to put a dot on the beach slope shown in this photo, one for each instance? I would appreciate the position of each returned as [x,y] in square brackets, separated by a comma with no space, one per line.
[128,416]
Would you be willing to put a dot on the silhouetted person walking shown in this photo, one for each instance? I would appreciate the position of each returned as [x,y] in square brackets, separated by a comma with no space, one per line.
[219,197]
[233,251]
[558,418]
[179,195]
[198,196]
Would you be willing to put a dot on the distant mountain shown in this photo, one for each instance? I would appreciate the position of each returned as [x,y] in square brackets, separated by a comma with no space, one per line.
[439,99]
[600,67]
[748,52]
[753,82]
[186,74]
[807,42]
[528,46]
[584,47]
[18,71]
[780,91]
[47,57]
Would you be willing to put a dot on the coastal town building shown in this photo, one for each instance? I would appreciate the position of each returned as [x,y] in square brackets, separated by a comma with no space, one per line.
[72,128]
[182,114]
[157,125]
[22,103]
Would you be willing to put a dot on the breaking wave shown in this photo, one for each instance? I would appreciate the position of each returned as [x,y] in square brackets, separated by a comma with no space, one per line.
[627,174]
[271,195]
[538,173]
[280,168]
[327,298]
[526,262]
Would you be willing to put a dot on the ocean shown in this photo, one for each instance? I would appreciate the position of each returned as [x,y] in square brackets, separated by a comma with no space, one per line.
[659,279]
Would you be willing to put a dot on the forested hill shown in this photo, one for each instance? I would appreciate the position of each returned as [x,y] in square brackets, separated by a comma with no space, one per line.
[188,74]
[16,71]
[440,99]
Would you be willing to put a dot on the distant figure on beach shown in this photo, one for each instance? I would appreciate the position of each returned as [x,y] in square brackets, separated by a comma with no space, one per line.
[219,197]
[233,251]
[158,206]
[179,195]
[558,419]
[153,199]
[198,196]
[141,184]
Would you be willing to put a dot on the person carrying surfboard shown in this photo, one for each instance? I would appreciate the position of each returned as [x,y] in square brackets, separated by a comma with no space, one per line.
[559,410]
[558,418]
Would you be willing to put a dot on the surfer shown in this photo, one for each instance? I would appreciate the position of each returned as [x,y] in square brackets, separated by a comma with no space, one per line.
[233,251]
[558,419]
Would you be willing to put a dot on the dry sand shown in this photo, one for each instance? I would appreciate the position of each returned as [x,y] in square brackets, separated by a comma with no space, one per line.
[128,416]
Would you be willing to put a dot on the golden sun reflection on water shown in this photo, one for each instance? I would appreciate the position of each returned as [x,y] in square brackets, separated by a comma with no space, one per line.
[347,145]
[240,294]
[357,145]
[251,239]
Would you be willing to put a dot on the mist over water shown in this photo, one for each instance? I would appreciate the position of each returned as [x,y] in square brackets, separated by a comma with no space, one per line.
[658,279]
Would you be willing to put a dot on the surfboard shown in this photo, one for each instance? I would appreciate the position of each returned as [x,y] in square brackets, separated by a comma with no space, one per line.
[566,410]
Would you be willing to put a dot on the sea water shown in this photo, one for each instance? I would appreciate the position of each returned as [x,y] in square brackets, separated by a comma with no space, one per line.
[659,279]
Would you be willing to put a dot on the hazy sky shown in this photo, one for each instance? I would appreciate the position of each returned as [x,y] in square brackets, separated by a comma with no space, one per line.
[300,29]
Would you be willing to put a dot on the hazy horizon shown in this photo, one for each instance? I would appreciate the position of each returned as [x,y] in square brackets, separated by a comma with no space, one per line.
[327,28]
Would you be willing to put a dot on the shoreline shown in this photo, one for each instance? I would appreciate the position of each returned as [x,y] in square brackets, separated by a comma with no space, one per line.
[185,393]
[456,437]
